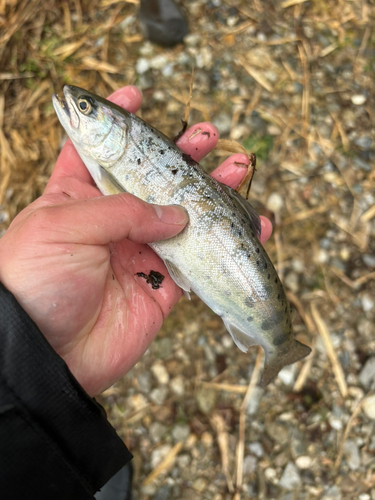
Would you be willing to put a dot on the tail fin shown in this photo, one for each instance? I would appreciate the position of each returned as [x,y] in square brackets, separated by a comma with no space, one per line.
[275,362]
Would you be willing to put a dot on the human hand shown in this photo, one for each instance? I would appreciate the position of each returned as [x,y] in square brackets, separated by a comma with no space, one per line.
[71,257]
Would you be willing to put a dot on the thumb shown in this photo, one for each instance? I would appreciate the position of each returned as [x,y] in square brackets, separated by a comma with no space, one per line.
[108,219]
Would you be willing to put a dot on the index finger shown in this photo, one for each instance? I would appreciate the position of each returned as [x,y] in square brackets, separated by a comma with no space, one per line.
[69,164]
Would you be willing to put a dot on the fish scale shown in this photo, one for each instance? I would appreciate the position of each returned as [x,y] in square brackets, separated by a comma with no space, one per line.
[218,254]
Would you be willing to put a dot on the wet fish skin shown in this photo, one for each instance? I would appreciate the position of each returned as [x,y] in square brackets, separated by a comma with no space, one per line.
[218,255]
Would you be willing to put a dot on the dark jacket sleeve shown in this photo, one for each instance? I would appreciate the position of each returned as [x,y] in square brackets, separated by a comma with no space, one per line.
[55,441]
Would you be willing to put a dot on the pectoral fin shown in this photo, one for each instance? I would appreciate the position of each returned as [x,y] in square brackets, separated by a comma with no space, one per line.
[178,278]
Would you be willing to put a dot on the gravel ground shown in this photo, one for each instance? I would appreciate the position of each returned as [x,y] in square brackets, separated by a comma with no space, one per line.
[293,82]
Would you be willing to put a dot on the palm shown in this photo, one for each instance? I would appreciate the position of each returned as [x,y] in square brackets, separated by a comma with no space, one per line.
[87,299]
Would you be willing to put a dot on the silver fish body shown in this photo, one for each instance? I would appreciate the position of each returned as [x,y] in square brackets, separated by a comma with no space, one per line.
[218,255]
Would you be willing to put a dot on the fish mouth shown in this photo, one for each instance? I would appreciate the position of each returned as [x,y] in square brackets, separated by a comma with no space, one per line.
[63,105]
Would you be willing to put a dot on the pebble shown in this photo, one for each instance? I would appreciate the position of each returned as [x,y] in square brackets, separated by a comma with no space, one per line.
[275,202]
[369,407]
[137,401]
[290,478]
[192,39]
[144,382]
[157,431]
[168,70]
[358,99]
[160,373]
[4,216]
[287,374]
[367,375]
[351,454]
[159,454]
[364,496]
[206,399]
[291,281]
[158,62]
[204,58]
[159,395]
[303,462]
[296,442]
[164,492]
[249,464]
[323,256]
[177,386]
[142,66]
[270,474]
[363,165]
[335,422]
[333,493]
[200,485]
[367,302]
[180,432]
[183,460]
[149,489]
[278,433]
[256,448]
[163,347]
[223,122]
[369,260]
[363,142]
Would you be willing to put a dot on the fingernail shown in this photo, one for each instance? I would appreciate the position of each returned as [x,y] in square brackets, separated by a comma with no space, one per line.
[171,214]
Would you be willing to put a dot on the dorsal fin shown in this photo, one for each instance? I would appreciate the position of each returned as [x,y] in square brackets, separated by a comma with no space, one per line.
[245,207]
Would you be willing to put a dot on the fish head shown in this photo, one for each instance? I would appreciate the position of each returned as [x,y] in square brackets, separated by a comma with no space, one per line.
[96,126]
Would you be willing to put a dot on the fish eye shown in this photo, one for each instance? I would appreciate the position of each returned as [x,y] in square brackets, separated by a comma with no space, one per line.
[84,105]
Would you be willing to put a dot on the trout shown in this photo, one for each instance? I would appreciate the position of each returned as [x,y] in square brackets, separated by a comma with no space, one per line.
[218,254]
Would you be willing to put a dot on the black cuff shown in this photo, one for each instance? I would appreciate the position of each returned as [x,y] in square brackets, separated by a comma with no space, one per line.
[55,440]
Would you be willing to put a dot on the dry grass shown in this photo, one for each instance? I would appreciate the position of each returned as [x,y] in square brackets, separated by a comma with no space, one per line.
[290,77]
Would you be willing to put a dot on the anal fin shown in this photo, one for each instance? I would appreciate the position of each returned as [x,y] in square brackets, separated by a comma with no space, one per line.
[243,340]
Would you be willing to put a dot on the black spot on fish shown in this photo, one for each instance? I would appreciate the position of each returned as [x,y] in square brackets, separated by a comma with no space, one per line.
[233,214]
[257,250]
[174,171]
[154,278]
[268,324]
[275,280]
[252,234]
[278,297]
[232,225]
[280,339]
[248,255]
[268,276]
[239,233]
[162,151]
[138,161]
[258,262]
[265,265]
[249,319]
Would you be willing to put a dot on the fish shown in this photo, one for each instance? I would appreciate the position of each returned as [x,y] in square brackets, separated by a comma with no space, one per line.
[218,254]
